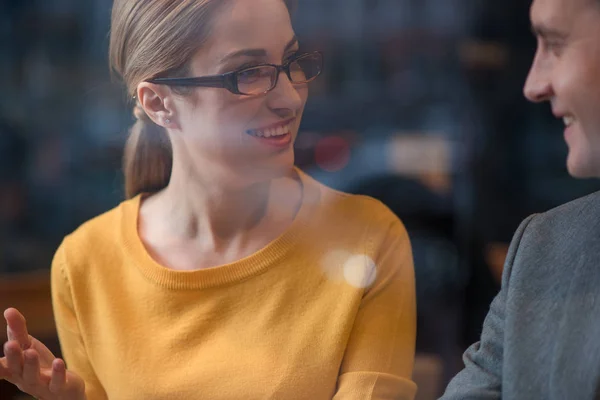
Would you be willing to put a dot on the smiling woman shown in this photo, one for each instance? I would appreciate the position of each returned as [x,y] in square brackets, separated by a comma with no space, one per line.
[215,279]
[183,28]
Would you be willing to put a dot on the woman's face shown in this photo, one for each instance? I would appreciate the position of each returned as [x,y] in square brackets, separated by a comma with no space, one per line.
[225,134]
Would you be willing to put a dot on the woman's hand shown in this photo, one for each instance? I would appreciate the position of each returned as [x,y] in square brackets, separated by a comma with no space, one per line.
[28,364]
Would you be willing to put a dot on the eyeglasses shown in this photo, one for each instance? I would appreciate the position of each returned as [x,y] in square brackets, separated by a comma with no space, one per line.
[256,80]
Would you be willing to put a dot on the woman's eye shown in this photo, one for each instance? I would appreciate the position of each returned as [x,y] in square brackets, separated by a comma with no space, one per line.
[254,74]
[249,74]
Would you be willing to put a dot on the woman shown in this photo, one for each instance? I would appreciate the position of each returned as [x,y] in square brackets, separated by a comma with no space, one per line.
[228,273]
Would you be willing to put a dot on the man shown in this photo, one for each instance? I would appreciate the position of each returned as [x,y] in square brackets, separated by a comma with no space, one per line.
[541,337]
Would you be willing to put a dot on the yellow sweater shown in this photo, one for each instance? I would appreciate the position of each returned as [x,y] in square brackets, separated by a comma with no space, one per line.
[327,310]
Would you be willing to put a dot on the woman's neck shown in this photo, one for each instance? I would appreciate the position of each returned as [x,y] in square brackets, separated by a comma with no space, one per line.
[215,216]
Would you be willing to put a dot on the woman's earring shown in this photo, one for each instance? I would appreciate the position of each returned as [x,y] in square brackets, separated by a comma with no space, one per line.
[167,121]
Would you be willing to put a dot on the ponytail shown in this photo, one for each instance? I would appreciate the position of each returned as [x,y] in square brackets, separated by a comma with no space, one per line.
[148,157]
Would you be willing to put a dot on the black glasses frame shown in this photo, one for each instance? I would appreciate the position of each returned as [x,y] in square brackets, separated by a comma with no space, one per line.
[229,80]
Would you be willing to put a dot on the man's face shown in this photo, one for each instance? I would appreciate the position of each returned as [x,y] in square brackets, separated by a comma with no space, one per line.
[566,72]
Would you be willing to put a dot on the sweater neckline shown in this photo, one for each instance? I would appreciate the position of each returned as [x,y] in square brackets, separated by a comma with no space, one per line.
[221,275]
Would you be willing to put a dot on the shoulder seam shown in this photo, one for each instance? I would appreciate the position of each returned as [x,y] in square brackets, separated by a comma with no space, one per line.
[516,244]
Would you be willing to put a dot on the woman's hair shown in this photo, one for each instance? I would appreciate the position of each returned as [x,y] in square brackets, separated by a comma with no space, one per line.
[155,39]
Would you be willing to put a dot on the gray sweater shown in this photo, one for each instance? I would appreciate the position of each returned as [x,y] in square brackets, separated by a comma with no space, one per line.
[541,337]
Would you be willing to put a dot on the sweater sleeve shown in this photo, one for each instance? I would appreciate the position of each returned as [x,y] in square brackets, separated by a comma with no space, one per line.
[379,357]
[67,324]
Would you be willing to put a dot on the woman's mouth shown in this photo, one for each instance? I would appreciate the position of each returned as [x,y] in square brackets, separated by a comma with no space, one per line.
[274,131]
[270,132]
[275,135]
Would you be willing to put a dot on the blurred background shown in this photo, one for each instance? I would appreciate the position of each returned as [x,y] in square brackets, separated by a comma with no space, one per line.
[420,106]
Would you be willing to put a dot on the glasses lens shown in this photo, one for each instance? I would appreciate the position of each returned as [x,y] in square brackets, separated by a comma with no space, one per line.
[256,80]
[306,68]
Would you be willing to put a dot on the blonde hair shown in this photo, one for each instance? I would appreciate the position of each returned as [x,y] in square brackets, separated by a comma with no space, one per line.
[149,39]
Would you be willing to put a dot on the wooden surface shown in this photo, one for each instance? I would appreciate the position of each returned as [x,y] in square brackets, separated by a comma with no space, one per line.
[30,294]
[427,374]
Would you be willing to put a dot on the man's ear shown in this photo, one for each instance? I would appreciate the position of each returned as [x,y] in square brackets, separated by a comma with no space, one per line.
[155,100]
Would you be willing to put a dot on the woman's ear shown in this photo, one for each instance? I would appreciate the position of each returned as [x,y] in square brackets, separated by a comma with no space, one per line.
[155,100]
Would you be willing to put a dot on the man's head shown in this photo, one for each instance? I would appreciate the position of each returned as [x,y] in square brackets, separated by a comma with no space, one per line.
[566,72]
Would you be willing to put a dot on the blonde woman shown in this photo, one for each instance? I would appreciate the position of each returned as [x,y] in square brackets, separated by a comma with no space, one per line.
[227,273]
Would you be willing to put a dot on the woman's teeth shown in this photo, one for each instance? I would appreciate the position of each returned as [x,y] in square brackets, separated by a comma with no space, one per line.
[280,131]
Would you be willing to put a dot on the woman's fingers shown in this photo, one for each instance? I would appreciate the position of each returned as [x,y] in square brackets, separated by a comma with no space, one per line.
[46,356]
[17,328]
[4,371]
[31,368]
[58,379]
[24,369]
[14,357]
